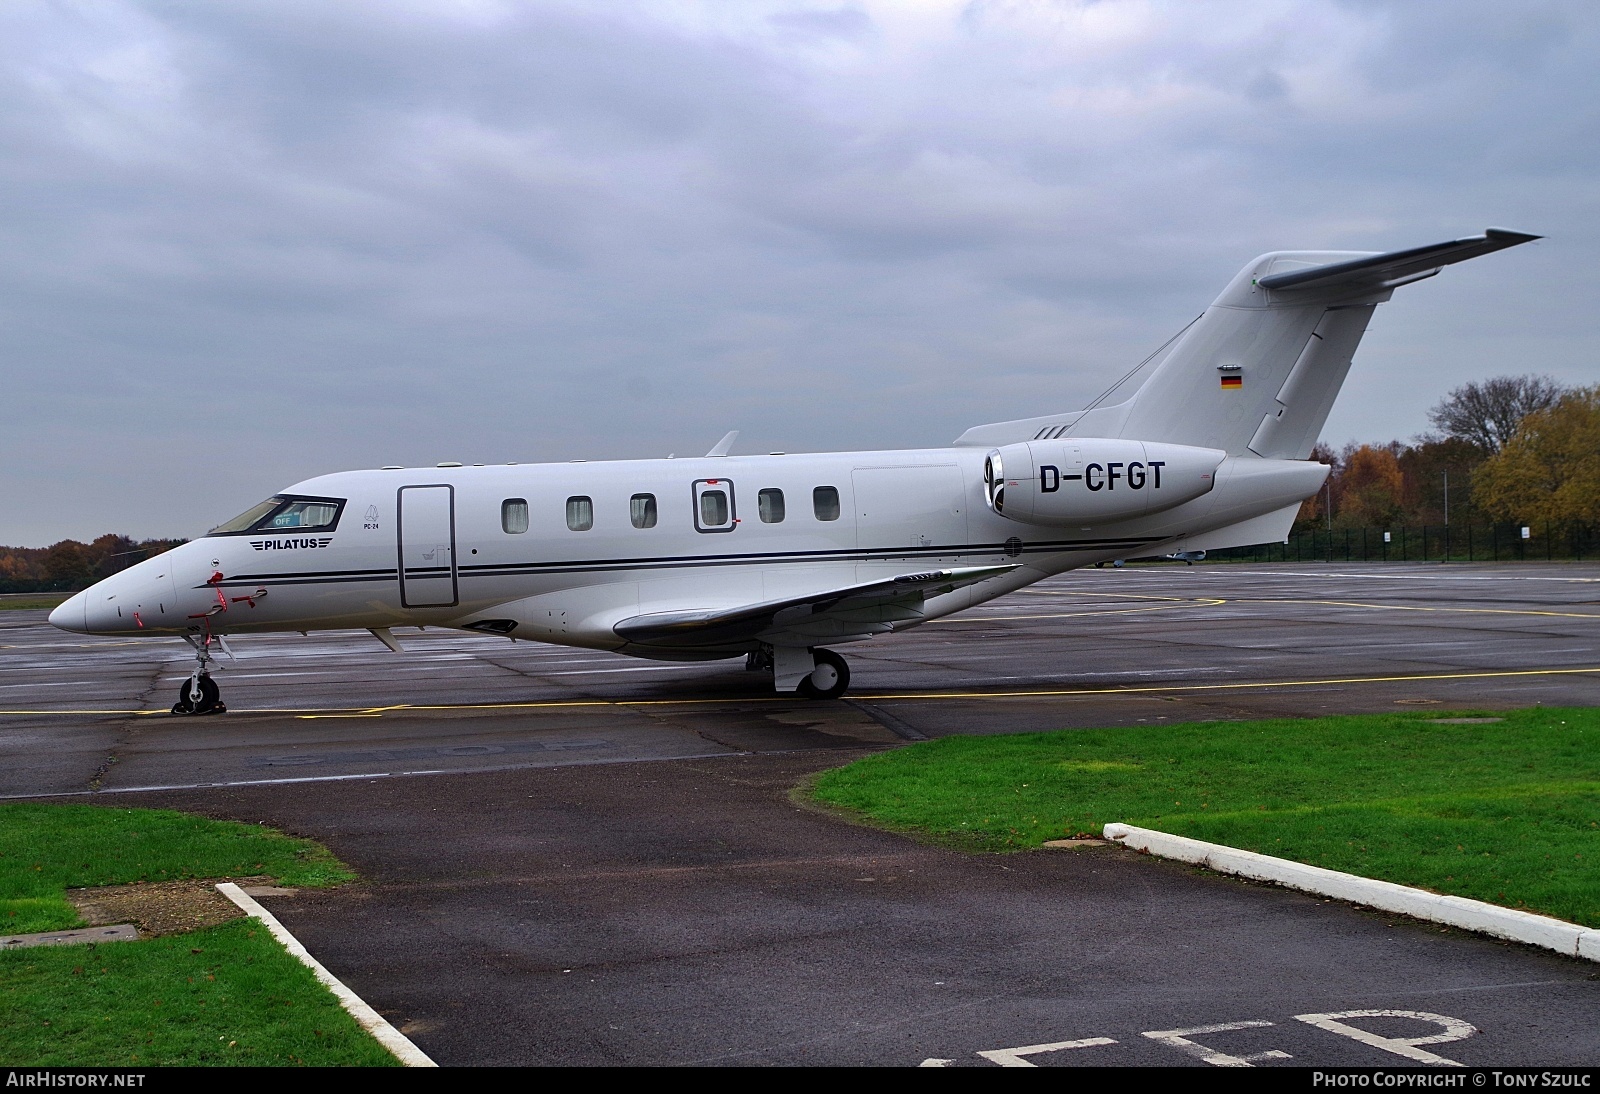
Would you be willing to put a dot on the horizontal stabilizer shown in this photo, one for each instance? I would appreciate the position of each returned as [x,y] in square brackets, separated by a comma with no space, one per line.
[1392,269]
[873,607]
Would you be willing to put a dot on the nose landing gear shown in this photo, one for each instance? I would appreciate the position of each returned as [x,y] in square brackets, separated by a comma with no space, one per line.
[199,694]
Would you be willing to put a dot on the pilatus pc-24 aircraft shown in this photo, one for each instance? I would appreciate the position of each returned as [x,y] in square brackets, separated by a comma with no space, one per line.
[775,558]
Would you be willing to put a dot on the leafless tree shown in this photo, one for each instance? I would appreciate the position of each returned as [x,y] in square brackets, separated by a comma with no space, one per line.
[1486,414]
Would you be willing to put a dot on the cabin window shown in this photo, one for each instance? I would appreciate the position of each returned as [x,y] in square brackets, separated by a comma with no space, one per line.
[514,515]
[825,502]
[580,513]
[770,503]
[713,508]
[642,510]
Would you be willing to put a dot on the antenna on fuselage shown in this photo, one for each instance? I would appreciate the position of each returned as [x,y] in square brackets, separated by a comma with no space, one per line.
[722,446]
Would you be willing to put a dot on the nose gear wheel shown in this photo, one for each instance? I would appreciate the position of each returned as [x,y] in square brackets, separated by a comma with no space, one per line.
[199,695]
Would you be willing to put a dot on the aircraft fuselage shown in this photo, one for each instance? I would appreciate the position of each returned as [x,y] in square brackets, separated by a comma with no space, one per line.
[442,546]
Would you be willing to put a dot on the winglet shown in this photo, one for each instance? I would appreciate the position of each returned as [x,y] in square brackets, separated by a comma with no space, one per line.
[722,446]
[1386,271]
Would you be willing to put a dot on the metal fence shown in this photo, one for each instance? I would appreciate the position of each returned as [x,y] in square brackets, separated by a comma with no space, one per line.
[1429,543]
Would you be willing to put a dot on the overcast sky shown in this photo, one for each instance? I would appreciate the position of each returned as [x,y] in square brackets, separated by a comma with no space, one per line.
[245,243]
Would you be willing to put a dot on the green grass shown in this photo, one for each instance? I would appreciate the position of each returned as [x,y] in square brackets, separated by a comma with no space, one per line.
[18,602]
[1507,812]
[47,849]
[223,995]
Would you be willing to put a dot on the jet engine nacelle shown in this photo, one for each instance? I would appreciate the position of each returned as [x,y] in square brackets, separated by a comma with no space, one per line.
[1081,480]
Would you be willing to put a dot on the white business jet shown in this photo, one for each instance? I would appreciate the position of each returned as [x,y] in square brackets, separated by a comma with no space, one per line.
[774,558]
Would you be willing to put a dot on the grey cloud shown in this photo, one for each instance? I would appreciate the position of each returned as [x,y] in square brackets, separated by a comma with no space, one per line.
[245,243]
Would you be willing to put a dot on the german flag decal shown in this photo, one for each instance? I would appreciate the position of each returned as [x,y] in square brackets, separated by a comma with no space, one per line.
[1231,382]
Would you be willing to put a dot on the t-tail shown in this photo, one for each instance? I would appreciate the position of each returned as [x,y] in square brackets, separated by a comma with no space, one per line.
[1257,373]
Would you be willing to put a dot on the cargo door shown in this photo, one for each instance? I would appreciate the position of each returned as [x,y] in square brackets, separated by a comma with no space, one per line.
[910,507]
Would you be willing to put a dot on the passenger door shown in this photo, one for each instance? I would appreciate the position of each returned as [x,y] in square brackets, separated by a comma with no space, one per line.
[426,530]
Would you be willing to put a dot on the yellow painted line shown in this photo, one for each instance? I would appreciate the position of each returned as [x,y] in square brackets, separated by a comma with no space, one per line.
[1255,684]
[1215,601]
[1109,596]
[1209,602]
[1414,608]
[1039,693]
[84,645]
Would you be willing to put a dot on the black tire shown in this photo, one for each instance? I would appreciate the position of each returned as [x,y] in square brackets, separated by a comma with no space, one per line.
[208,702]
[829,665]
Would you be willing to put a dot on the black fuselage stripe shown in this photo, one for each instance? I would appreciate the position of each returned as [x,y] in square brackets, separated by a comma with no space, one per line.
[524,569]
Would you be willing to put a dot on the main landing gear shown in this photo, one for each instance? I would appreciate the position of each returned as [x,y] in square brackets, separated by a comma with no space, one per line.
[199,694]
[809,673]
[828,680]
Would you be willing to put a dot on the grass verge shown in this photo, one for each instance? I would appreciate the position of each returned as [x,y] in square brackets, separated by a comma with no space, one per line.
[47,849]
[1507,811]
[23,602]
[224,995]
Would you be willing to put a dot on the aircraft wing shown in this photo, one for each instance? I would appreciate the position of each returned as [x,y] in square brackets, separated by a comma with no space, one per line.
[853,611]
[1385,271]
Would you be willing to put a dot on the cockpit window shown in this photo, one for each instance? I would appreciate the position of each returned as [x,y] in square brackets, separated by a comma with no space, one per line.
[247,519]
[303,516]
[285,514]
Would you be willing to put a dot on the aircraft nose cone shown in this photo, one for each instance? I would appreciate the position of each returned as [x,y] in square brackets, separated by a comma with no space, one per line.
[72,614]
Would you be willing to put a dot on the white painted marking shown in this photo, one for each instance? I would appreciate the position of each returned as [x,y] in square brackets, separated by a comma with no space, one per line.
[934,1061]
[390,774]
[1358,574]
[329,672]
[1454,1030]
[370,1020]
[1179,1039]
[274,675]
[1013,1057]
[602,672]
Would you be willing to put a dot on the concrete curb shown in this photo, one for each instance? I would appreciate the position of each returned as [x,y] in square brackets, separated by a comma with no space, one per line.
[1455,911]
[120,932]
[369,1019]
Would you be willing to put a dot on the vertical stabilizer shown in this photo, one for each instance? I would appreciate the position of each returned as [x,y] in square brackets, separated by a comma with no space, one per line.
[1258,372]
[1226,376]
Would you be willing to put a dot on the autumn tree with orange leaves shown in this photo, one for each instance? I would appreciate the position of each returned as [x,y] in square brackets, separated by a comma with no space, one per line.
[1549,471]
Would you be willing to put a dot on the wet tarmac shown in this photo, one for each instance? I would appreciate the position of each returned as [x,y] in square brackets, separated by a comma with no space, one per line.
[572,857]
